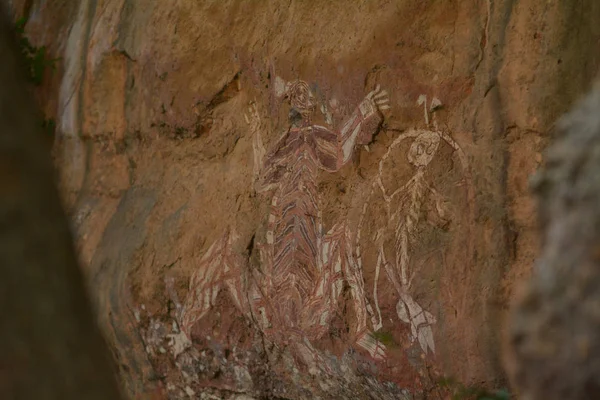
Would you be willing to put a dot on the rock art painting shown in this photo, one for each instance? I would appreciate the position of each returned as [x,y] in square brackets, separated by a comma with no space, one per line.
[292,285]
[404,210]
[293,295]
[230,257]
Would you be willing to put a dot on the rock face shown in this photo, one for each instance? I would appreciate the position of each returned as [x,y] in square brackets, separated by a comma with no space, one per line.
[554,322]
[306,199]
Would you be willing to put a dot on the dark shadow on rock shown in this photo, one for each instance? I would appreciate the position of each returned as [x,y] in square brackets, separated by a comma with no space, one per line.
[124,236]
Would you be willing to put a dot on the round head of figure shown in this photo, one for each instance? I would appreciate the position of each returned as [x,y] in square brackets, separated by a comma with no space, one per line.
[423,148]
[301,98]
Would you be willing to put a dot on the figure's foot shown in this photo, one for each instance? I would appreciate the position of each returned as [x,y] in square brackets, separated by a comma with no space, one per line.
[312,358]
[420,321]
[179,342]
[425,337]
[373,346]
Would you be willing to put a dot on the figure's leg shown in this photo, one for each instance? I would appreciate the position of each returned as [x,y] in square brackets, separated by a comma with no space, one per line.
[322,302]
[376,320]
[408,310]
[402,250]
[338,258]
[218,267]
[392,274]
[257,289]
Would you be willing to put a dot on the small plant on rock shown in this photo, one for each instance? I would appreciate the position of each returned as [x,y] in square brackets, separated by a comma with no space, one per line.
[460,391]
[36,57]
[36,61]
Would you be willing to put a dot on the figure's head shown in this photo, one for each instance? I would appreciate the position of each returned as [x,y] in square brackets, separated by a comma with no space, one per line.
[301,98]
[423,148]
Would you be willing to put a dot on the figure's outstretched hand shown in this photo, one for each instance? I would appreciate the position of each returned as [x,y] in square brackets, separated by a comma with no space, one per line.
[252,118]
[379,98]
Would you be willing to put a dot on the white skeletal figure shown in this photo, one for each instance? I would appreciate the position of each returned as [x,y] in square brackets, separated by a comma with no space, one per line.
[406,218]
[404,221]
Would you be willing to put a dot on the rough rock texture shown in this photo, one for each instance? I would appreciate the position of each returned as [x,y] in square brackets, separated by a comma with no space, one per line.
[553,335]
[433,222]
[51,345]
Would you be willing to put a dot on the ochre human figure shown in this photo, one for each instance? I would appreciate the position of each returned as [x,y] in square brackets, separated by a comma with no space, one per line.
[294,293]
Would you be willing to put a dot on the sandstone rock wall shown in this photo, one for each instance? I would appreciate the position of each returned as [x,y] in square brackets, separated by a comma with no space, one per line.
[431,217]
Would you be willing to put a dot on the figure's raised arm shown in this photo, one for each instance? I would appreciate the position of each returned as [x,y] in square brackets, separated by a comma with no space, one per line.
[252,118]
[358,129]
[363,123]
[267,167]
